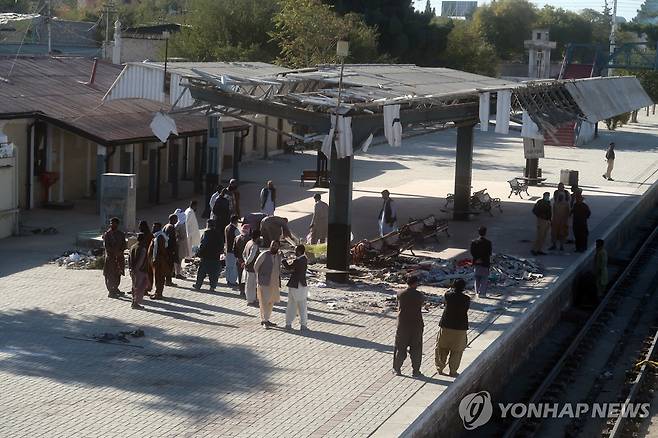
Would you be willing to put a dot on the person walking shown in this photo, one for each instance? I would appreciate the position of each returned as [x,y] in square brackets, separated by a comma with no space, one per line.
[274,228]
[297,290]
[139,270]
[192,229]
[222,210]
[610,158]
[387,215]
[581,214]
[320,222]
[451,340]
[268,199]
[601,267]
[409,333]
[560,218]
[250,255]
[213,200]
[481,251]
[542,211]
[159,259]
[114,242]
[210,250]
[231,231]
[182,247]
[172,248]
[238,250]
[268,276]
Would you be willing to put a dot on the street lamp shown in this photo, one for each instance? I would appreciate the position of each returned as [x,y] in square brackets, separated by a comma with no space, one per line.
[165,35]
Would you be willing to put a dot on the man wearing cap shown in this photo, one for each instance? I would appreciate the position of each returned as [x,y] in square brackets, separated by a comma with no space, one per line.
[481,252]
[543,212]
[320,222]
[234,197]
[409,334]
[451,340]
[387,215]
[114,242]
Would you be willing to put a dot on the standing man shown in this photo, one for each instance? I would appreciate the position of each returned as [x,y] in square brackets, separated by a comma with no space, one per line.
[181,244]
[481,251]
[560,219]
[213,200]
[230,233]
[601,267]
[610,158]
[268,276]
[452,340]
[387,215]
[297,289]
[235,197]
[114,242]
[268,199]
[250,255]
[210,250]
[320,222]
[159,257]
[139,270]
[238,250]
[542,211]
[409,333]
[192,229]
[581,214]
[222,210]
[172,247]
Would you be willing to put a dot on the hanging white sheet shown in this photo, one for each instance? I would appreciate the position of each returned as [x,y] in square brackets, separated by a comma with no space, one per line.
[392,125]
[366,144]
[343,135]
[485,99]
[503,105]
[162,126]
[529,129]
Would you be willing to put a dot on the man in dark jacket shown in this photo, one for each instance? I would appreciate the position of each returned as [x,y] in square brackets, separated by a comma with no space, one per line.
[388,216]
[212,246]
[114,242]
[543,213]
[451,340]
[610,158]
[172,247]
[410,328]
[297,289]
[481,252]
[581,214]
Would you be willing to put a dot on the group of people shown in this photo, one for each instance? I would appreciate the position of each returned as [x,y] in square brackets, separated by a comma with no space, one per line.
[554,216]
[155,259]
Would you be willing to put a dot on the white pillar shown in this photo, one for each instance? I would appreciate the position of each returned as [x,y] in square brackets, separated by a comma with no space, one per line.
[116,49]
[61,166]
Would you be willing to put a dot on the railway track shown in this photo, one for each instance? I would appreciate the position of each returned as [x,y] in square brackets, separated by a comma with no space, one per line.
[599,364]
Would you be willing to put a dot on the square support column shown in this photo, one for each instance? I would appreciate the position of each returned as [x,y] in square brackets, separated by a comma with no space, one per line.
[463,171]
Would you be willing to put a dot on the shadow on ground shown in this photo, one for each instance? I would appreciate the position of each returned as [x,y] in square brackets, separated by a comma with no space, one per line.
[186,373]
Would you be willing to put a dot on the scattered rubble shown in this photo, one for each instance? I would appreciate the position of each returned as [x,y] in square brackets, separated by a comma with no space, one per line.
[92,259]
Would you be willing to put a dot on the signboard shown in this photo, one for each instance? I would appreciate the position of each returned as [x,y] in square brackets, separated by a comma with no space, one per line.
[533,148]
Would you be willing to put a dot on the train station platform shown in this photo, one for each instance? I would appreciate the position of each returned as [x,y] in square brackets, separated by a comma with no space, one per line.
[206,368]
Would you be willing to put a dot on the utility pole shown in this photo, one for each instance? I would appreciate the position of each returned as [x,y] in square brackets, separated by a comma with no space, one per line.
[108,10]
[49,20]
[613,32]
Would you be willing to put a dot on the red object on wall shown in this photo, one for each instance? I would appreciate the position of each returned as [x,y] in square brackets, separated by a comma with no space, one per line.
[48,179]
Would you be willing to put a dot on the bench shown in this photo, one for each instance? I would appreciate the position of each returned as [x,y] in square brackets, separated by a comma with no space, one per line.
[312,175]
[517,186]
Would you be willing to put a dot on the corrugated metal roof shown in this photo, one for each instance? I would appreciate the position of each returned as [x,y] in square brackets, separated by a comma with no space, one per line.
[54,88]
[602,98]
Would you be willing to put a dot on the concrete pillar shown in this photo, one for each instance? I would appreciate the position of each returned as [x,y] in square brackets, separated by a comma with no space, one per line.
[463,171]
[101,154]
[88,169]
[31,173]
[340,221]
[116,47]
[49,157]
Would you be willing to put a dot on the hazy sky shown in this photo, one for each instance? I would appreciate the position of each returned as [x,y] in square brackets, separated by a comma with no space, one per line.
[625,8]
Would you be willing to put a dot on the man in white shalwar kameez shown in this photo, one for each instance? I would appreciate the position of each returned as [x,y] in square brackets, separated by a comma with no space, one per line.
[192,228]
[387,215]
[268,276]
[181,242]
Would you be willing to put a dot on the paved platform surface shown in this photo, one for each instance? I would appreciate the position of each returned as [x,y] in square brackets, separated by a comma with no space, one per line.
[206,368]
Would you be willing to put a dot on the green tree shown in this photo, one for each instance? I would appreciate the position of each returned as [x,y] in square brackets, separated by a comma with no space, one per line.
[505,24]
[466,50]
[564,26]
[307,32]
[226,30]
[648,13]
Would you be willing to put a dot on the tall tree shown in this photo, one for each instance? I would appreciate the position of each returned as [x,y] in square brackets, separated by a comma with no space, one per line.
[467,50]
[505,24]
[307,32]
[429,10]
[227,30]
[564,26]
[648,13]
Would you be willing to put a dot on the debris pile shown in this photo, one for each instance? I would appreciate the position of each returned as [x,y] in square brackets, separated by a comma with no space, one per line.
[92,259]
[505,271]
